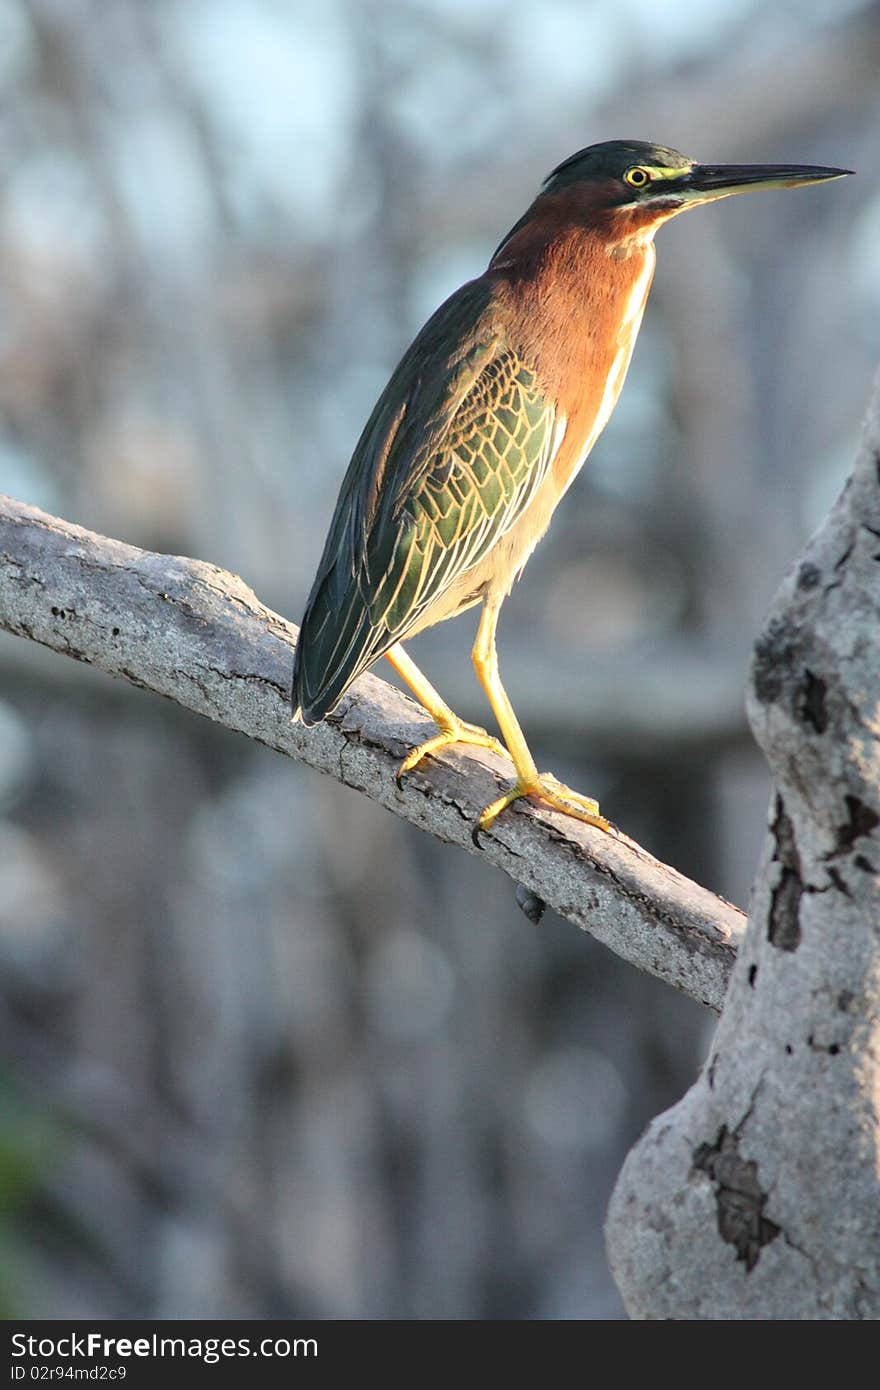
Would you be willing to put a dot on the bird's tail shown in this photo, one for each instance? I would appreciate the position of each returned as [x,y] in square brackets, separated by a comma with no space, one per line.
[336,644]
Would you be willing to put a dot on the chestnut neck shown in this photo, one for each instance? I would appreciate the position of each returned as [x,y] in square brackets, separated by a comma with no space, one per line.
[565,226]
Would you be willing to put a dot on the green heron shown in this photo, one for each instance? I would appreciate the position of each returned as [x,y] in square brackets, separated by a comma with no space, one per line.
[483,427]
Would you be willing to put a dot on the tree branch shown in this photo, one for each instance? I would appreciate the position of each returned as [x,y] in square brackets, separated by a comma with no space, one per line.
[198,635]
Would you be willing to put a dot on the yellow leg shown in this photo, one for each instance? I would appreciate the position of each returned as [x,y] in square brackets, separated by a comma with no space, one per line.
[452,729]
[529,782]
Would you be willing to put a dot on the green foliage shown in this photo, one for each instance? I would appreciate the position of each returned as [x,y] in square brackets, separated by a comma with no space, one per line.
[29,1141]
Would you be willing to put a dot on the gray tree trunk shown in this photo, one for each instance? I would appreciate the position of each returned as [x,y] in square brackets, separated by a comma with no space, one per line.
[758,1194]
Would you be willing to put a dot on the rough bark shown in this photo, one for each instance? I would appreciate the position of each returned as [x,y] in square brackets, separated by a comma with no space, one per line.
[198,635]
[758,1195]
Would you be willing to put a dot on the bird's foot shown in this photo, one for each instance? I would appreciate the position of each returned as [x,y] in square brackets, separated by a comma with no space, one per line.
[547,789]
[459,732]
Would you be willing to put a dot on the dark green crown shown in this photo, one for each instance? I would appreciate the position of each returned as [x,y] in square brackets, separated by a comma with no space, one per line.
[611,159]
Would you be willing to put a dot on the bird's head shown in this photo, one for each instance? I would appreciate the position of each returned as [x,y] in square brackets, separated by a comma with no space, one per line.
[650,183]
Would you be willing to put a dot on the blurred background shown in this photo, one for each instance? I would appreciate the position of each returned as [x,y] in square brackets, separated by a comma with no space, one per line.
[266,1051]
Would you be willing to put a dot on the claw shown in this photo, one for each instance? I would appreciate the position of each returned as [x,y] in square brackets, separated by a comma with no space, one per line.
[551,792]
[460,732]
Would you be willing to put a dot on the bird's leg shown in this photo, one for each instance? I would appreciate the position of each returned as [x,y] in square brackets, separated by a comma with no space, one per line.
[452,729]
[541,786]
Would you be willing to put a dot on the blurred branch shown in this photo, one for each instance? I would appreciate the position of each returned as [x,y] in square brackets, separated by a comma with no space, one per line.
[194,633]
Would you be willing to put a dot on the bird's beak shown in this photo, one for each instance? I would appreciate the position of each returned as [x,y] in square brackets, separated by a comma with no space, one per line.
[706,182]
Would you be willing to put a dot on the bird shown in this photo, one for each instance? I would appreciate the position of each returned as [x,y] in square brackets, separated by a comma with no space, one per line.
[481,430]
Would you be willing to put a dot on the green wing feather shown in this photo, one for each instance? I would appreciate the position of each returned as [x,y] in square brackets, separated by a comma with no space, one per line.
[452,454]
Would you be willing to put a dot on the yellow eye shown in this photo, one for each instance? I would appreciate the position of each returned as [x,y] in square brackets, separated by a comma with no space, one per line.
[637,177]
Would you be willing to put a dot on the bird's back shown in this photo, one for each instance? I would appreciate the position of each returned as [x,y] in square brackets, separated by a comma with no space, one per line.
[453,452]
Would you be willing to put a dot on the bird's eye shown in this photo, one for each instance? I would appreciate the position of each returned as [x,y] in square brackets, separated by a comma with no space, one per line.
[637,177]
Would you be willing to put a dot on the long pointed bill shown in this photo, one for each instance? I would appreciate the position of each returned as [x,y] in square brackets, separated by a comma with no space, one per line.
[706,182]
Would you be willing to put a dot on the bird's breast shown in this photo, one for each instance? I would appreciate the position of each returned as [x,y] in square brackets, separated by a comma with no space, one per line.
[609,328]
[575,325]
